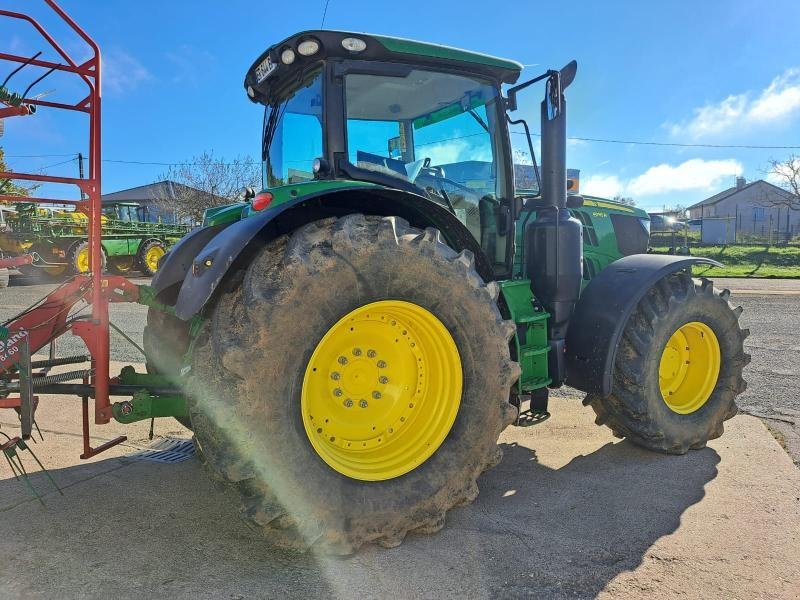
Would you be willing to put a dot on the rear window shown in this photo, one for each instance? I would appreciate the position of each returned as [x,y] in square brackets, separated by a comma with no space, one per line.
[631,235]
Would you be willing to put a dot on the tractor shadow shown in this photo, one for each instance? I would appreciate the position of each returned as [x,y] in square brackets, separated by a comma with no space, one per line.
[138,529]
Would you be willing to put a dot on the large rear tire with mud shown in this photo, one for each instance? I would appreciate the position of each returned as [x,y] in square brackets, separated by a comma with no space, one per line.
[678,368]
[352,382]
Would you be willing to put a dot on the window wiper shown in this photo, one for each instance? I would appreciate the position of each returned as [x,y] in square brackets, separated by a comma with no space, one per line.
[272,122]
[480,121]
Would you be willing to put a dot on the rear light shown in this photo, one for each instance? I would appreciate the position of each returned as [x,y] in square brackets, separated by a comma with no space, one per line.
[261,201]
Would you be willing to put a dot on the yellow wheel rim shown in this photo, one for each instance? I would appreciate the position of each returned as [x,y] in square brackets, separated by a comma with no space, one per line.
[381,390]
[152,256]
[82,260]
[689,367]
[55,270]
[123,264]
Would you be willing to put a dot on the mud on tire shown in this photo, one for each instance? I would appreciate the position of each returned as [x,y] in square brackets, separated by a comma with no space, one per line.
[249,364]
[636,409]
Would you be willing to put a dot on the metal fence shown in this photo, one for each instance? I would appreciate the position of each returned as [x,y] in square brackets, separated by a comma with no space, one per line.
[714,231]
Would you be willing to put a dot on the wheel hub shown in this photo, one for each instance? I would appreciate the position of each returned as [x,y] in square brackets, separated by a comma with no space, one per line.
[689,367]
[382,390]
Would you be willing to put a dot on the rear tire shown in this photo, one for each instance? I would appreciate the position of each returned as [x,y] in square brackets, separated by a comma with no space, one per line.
[636,408]
[121,265]
[250,362]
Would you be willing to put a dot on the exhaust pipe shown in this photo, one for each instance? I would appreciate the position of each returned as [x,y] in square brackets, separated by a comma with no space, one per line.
[554,240]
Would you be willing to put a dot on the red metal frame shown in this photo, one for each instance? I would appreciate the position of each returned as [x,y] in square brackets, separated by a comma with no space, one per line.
[49,319]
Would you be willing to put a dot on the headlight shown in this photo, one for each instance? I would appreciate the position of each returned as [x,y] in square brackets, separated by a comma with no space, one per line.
[287,56]
[308,47]
[352,44]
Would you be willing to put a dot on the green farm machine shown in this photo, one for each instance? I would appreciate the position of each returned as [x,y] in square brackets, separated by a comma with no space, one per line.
[348,344]
[57,240]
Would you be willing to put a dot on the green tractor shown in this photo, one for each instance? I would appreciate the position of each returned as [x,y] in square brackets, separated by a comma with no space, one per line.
[57,239]
[355,337]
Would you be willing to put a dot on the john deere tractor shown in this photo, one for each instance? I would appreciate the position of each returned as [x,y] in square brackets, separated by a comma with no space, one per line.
[356,335]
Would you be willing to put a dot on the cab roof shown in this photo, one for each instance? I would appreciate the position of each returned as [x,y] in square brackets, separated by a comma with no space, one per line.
[268,73]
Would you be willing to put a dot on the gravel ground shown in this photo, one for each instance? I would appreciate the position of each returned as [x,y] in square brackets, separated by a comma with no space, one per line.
[771,312]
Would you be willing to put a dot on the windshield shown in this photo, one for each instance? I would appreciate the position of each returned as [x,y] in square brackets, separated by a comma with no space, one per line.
[293,134]
[439,131]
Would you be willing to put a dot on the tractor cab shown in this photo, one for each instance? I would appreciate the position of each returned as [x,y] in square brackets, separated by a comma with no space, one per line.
[370,110]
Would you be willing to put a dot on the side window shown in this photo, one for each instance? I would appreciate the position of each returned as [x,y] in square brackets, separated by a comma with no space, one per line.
[589,234]
[296,135]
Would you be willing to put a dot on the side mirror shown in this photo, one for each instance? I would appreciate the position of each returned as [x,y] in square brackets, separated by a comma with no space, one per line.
[248,193]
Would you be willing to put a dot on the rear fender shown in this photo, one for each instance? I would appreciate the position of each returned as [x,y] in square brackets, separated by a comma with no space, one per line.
[177,262]
[603,310]
[236,244]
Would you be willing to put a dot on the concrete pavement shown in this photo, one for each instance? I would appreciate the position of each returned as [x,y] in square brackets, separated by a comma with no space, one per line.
[570,512]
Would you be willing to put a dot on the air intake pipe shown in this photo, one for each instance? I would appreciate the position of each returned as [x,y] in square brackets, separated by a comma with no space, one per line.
[554,240]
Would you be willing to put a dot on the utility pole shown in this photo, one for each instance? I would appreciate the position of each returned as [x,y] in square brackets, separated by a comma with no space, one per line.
[80,172]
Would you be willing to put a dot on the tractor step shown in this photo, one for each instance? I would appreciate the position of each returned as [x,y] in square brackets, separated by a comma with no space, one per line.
[537,409]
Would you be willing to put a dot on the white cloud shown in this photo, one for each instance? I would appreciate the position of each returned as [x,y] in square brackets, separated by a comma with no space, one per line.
[122,72]
[605,186]
[693,174]
[452,151]
[778,101]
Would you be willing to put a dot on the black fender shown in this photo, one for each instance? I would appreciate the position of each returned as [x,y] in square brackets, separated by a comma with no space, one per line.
[603,310]
[214,260]
[176,263]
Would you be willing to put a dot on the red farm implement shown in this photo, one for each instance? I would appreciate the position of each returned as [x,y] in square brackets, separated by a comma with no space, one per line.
[36,328]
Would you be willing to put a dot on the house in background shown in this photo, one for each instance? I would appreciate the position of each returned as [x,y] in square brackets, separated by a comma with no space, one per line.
[758,208]
[153,201]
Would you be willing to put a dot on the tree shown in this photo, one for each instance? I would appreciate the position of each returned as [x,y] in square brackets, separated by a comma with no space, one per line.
[786,174]
[206,182]
[628,201]
[7,186]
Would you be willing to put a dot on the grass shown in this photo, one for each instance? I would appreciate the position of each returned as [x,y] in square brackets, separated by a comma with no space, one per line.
[748,261]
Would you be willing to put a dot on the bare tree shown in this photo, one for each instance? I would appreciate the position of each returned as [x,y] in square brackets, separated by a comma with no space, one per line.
[628,201]
[7,186]
[206,181]
[786,173]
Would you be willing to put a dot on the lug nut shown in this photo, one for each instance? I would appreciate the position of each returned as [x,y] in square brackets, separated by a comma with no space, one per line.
[372,353]
[362,403]
[381,364]
[348,403]
[376,395]
[356,351]
[335,376]
[342,360]
[337,392]
[383,379]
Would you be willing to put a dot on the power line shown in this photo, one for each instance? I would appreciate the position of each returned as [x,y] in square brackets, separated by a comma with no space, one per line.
[324,14]
[674,144]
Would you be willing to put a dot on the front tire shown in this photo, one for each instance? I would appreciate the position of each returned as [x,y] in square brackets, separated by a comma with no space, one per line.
[254,358]
[678,368]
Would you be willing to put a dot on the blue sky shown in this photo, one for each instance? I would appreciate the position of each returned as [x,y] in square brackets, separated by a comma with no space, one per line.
[712,72]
